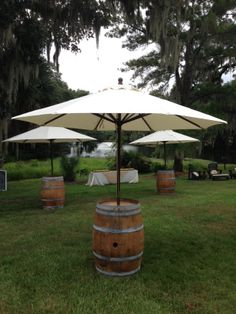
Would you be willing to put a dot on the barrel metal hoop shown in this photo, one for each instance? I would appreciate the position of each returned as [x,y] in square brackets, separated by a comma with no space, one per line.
[118,259]
[49,179]
[166,171]
[118,207]
[54,187]
[53,207]
[118,213]
[169,189]
[51,199]
[165,179]
[118,231]
[118,274]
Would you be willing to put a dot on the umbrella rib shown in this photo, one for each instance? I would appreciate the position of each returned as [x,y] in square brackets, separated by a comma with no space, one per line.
[147,124]
[127,116]
[113,119]
[133,117]
[193,123]
[102,116]
[99,121]
[51,120]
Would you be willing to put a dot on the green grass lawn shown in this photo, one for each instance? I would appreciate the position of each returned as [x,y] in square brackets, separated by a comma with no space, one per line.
[46,262]
[34,168]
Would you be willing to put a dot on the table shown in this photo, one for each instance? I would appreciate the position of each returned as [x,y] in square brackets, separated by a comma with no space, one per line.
[109,177]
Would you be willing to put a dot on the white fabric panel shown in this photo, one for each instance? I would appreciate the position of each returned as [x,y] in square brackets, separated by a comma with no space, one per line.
[109,177]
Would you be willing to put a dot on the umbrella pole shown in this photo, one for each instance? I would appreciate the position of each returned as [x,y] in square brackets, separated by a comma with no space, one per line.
[164,143]
[51,156]
[118,157]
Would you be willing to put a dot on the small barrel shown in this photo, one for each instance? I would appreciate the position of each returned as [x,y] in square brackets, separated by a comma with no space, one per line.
[166,181]
[118,237]
[53,192]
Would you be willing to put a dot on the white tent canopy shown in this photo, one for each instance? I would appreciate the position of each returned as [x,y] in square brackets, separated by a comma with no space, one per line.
[167,136]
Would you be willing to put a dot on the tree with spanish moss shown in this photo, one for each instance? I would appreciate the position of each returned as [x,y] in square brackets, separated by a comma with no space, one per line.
[193,48]
[28,31]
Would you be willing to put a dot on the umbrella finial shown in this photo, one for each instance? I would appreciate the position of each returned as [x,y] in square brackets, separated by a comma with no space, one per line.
[120,81]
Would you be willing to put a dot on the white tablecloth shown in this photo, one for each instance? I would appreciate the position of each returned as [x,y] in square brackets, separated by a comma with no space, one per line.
[109,177]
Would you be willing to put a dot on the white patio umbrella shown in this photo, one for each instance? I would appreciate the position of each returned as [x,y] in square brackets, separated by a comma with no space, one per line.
[120,108]
[164,137]
[47,134]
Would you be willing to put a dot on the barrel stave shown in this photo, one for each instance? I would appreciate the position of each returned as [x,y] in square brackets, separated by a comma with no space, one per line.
[52,192]
[166,182]
[118,237]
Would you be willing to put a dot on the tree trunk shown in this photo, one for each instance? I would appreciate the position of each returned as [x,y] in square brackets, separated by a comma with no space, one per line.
[178,162]
[3,136]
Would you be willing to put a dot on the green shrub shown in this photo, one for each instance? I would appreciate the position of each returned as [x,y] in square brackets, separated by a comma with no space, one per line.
[34,168]
[155,166]
[68,165]
[83,171]
[26,170]
[34,163]
[197,165]
[131,160]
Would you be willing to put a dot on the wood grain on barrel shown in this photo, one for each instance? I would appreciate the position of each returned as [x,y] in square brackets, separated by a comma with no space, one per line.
[118,237]
[53,192]
[166,182]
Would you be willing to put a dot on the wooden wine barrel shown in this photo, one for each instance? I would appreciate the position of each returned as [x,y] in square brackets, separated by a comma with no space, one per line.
[53,192]
[118,237]
[166,181]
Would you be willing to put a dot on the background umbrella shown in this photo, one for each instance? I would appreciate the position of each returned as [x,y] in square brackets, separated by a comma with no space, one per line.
[120,108]
[47,134]
[164,137]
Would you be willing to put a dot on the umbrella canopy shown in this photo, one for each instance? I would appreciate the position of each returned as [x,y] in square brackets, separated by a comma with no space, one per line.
[120,108]
[164,137]
[138,111]
[167,136]
[47,134]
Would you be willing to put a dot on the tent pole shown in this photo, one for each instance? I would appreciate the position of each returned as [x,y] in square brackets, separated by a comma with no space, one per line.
[118,157]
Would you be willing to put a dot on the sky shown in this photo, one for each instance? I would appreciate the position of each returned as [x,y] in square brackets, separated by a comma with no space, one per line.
[94,69]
